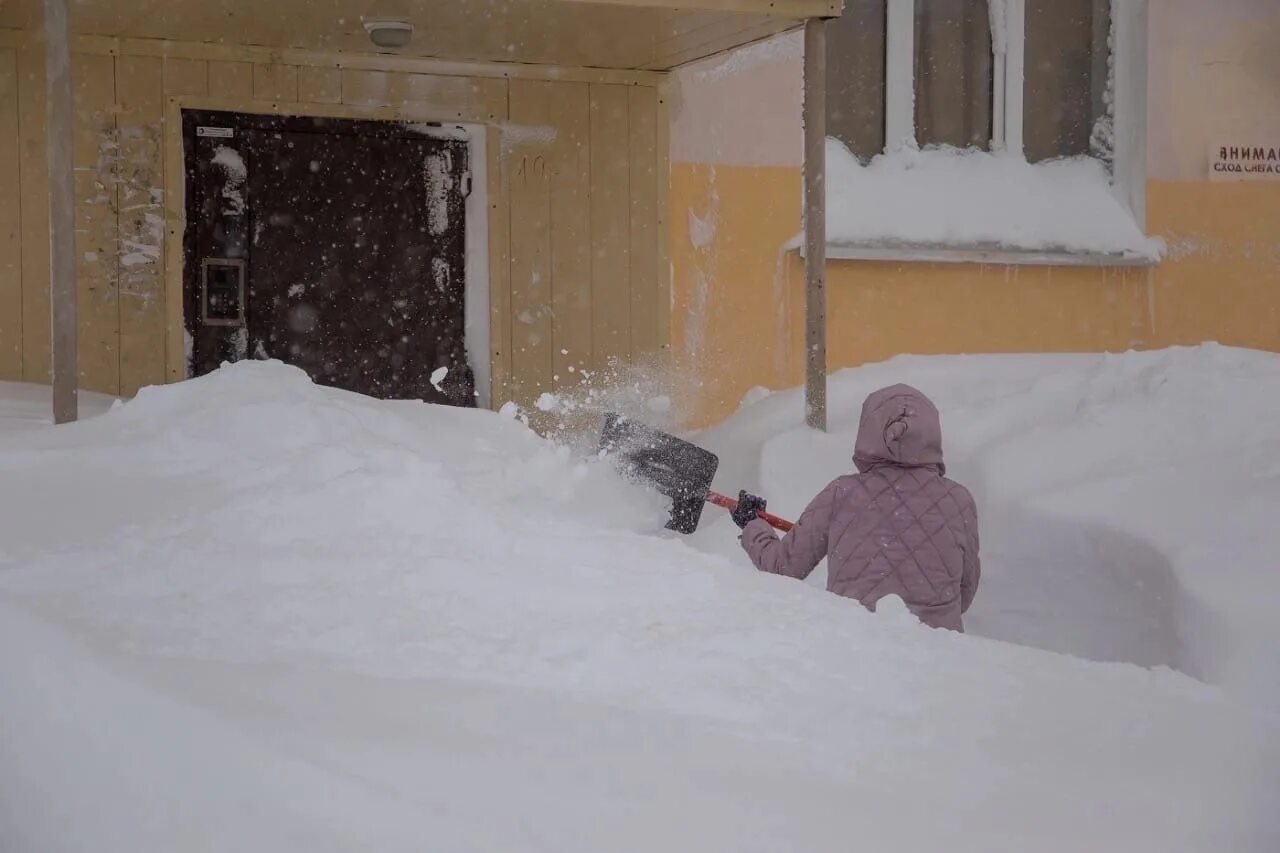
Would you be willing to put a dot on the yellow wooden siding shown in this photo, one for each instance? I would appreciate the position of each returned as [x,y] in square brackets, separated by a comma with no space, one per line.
[427,96]
[642,139]
[570,115]
[275,82]
[182,77]
[97,266]
[231,79]
[34,191]
[185,76]
[610,227]
[666,304]
[320,85]
[529,176]
[564,223]
[140,194]
[10,223]
[499,269]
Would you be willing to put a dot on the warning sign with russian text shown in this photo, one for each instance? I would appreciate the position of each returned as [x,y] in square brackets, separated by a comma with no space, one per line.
[1237,162]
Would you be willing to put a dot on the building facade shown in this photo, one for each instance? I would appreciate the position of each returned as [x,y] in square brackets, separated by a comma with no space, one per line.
[619,186]
[1188,79]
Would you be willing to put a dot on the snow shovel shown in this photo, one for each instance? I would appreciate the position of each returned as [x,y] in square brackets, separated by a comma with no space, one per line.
[675,468]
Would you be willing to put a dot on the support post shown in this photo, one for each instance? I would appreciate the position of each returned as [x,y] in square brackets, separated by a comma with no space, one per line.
[62,216]
[815,223]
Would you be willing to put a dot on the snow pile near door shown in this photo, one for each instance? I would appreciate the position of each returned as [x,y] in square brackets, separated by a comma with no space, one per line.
[247,612]
[1128,501]
[25,405]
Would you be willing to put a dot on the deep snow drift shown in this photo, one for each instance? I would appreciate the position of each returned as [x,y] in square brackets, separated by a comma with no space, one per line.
[1128,502]
[25,406]
[248,612]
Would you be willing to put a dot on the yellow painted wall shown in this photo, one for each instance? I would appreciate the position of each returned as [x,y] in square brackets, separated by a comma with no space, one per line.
[740,305]
[576,170]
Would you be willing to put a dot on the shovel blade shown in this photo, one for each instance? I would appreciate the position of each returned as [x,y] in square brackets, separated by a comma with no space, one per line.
[672,466]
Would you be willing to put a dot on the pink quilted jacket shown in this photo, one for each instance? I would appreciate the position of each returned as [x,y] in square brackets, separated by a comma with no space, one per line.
[897,526]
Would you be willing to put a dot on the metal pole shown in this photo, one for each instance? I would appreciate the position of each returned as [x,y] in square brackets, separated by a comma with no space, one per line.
[815,223]
[62,215]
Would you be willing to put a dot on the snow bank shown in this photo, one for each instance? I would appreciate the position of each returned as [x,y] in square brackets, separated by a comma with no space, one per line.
[26,406]
[942,198]
[284,616]
[1128,500]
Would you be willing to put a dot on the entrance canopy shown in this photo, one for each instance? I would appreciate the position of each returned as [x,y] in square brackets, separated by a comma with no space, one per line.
[604,36]
[622,34]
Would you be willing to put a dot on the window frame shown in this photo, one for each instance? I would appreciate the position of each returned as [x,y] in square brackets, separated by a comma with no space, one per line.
[1128,167]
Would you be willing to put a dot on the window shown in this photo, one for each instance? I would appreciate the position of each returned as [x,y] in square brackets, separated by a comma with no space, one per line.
[952,72]
[1030,118]
[1021,75]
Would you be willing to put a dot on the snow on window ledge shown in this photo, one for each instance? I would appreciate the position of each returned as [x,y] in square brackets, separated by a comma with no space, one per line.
[992,254]
[945,205]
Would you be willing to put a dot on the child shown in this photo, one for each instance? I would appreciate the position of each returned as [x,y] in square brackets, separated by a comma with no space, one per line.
[898,526]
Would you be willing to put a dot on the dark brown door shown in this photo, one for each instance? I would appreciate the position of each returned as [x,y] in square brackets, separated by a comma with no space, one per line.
[352,241]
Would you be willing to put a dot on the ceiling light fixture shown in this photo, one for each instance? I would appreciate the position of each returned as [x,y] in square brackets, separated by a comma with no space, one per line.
[389,33]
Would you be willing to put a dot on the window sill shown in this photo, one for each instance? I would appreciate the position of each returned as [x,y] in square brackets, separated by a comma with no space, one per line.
[941,205]
[982,254]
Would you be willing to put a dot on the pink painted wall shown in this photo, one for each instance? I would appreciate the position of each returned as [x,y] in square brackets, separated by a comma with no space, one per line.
[742,108]
[1214,74]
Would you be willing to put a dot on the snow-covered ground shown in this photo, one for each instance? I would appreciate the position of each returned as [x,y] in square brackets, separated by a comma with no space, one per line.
[27,406]
[250,613]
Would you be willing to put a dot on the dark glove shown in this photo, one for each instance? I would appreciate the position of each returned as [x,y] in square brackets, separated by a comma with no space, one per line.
[749,507]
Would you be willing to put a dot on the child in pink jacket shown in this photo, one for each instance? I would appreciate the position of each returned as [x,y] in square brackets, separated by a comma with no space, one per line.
[898,526]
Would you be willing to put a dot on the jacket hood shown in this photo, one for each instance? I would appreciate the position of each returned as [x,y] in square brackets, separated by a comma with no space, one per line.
[900,426]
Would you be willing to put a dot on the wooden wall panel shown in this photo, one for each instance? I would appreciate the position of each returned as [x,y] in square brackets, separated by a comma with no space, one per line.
[182,77]
[662,157]
[643,174]
[140,196]
[10,222]
[185,76]
[175,215]
[231,79]
[36,361]
[499,269]
[275,82]
[319,85]
[97,269]
[610,225]
[423,95]
[574,193]
[527,154]
[570,116]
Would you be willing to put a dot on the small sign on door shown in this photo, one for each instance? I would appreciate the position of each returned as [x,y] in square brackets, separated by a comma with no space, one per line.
[220,132]
[1237,162]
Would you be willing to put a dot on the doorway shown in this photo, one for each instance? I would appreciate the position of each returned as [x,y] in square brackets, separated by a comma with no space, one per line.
[335,245]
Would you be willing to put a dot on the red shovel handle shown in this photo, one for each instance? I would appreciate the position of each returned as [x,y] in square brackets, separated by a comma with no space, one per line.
[730,504]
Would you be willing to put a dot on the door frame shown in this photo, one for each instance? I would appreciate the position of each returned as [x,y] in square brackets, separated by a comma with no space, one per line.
[480,149]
